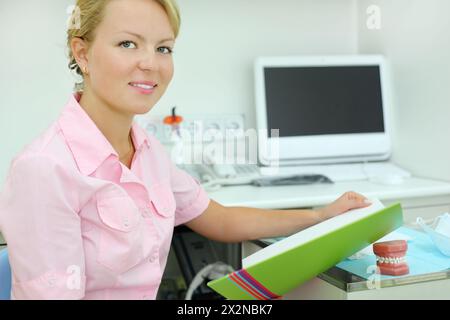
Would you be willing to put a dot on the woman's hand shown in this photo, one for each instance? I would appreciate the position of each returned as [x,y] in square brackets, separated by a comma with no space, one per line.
[349,200]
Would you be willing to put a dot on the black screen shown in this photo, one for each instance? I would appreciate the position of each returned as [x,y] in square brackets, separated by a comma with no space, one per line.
[302,101]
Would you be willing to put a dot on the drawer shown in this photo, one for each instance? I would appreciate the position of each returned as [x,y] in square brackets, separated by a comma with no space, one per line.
[427,213]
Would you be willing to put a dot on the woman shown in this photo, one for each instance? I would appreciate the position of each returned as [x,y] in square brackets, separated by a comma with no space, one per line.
[89,207]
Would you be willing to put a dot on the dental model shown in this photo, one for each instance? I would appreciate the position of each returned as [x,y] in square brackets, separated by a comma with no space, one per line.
[391,257]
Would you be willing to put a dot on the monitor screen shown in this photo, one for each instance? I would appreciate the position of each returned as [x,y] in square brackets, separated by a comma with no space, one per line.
[323,100]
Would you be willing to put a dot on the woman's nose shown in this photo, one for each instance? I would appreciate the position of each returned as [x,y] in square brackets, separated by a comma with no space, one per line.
[148,61]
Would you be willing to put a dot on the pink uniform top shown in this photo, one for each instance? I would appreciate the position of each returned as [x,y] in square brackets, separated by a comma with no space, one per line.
[80,224]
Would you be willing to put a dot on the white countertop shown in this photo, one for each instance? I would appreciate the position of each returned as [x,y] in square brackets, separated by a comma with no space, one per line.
[283,197]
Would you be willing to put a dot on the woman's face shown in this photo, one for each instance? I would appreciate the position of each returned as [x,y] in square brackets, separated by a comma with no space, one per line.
[132,46]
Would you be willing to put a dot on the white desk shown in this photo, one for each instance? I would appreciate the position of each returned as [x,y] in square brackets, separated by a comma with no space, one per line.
[419,197]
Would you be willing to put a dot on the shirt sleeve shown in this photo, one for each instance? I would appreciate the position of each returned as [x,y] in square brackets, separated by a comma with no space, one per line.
[191,199]
[40,223]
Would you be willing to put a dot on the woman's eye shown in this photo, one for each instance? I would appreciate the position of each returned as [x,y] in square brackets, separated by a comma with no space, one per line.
[128,44]
[165,50]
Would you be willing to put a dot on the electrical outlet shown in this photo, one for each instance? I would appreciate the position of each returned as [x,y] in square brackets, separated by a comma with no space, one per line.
[166,132]
[205,128]
[152,128]
[152,125]
[234,125]
[213,130]
[192,128]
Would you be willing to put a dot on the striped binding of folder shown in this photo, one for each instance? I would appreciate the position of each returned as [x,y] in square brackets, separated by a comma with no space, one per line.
[249,285]
[284,265]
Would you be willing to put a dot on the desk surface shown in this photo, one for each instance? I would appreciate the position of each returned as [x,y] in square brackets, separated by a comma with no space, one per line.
[283,197]
[349,282]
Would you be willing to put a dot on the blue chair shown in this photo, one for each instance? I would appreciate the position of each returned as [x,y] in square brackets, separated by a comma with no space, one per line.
[5,276]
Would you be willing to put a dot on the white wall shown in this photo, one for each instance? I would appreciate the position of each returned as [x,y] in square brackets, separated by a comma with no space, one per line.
[415,37]
[34,79]
[214,56]
[220,39]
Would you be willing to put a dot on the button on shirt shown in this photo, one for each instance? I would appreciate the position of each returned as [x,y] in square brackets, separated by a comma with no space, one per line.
[80,224]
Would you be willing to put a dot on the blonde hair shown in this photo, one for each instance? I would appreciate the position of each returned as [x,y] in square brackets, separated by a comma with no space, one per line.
[88,14]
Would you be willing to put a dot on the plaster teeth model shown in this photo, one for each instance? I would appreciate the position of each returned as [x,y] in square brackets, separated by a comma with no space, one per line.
[391,258]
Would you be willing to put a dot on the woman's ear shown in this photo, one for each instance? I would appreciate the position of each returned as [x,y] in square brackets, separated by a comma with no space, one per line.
[80,53]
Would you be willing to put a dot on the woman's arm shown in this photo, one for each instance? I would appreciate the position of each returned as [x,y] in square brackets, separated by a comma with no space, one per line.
[39,219]
[236,224]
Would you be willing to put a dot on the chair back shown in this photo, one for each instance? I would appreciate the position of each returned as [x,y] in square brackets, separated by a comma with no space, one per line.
[5,276]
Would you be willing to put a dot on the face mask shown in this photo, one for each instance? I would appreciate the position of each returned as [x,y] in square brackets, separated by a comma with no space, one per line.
[439,232]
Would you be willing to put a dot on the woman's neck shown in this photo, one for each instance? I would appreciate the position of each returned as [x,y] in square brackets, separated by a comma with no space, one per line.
[127,158]
[115,126]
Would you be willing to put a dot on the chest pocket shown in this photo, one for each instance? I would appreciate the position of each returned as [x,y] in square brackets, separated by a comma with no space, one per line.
[121,241]
[163,200]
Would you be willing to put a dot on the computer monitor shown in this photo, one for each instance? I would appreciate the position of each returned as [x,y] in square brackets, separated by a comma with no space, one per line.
[328,109]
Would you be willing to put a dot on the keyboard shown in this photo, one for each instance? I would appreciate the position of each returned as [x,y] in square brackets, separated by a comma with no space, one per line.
[246,173]
[341,172]
[246,169]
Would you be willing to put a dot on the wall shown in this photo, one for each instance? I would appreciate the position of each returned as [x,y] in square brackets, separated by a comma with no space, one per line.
[414,36]
[213,59]
[34,81]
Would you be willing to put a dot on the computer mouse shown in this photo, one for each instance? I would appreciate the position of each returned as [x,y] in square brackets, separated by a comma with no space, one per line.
[389,179]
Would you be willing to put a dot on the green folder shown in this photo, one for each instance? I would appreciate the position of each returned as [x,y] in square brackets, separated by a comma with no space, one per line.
[279,268]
